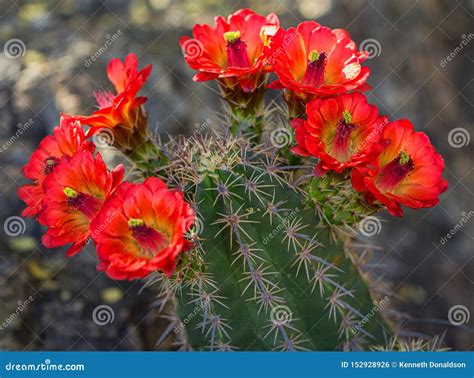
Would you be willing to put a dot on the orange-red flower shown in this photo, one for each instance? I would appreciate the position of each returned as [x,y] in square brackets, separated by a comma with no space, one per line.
[120,110]
[140,230]
[342,132]
[313,60]
[408,171]
[67,138]
[232,48]
[74,193]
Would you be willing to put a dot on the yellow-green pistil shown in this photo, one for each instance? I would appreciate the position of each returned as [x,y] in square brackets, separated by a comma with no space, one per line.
[313,56]
[70,192]
[404,158]
[135,222]
[231,36]
[347,116]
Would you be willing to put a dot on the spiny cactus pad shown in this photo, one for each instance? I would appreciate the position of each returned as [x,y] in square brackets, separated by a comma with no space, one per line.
[265,273]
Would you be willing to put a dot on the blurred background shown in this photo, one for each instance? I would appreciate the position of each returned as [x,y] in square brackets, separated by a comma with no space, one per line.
[54,55]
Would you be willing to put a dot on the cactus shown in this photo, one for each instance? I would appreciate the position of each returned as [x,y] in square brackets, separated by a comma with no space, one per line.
[266,272]
[273,263]
[337,201]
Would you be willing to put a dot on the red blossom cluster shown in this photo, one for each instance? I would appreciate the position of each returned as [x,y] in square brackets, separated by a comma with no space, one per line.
[320,70]
[137,228]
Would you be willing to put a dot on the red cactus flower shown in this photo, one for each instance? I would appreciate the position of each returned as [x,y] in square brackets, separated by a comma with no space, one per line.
[67,139]
[140,230]
[232,48]
[315,61]
[408,171]
[342,132]
[74,193]
[119,110]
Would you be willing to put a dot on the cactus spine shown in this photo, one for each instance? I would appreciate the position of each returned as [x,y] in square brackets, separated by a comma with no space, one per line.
[266,272]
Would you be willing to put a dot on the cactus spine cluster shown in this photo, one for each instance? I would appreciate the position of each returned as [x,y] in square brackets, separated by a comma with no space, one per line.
[266,272]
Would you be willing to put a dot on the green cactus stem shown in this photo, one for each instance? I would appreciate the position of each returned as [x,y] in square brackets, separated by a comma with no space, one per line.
[337,201]
[146,155]
[247,109]
[265,273]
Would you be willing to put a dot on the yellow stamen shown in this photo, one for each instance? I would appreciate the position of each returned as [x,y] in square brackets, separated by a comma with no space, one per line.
[404,158]
[231,36]
[134,222]
[313,56]
[347,116]
[69,192]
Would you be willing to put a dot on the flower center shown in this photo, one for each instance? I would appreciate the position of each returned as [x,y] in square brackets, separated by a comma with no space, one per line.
[395,172]
[314,74]
[150,240]
[49,164]
[343,132]
[236,50]
[267,32]
[85,203]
